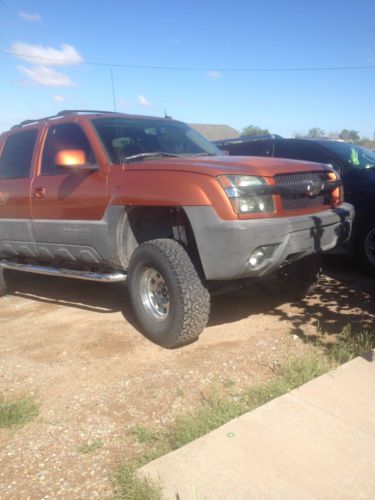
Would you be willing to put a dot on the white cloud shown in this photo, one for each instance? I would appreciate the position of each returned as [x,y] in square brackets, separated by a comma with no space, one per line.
[48,56]
[142,101]
[46,76]
[213,75]
[28,16]
[59,98]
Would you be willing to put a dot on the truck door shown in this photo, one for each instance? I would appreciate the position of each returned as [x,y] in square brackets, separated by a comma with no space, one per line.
[68,203]
[16,159]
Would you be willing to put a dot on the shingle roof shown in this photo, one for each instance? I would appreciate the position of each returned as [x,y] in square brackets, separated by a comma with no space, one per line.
[215,132]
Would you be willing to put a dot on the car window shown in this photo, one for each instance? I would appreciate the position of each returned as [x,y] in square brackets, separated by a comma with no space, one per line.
[249,148]
[15,160]
[301,151]
[64,136]
[124,137]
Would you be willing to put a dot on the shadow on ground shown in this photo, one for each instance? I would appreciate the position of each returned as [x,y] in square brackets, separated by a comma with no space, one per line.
[344,296]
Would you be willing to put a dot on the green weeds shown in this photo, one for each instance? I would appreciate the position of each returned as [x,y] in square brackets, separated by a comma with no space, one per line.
[18,412]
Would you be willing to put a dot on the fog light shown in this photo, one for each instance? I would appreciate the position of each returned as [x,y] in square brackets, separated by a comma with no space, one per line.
[260,254]
[257,257]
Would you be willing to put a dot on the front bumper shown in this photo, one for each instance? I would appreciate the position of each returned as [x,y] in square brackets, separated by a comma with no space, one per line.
[225,247]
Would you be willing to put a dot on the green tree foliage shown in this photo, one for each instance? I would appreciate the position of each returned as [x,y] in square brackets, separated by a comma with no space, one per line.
[349,135]
[316,132]
[253,130]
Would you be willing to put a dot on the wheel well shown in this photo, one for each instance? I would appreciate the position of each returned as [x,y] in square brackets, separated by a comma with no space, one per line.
[141,224]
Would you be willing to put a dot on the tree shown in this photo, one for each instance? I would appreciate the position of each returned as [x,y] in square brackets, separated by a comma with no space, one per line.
[316,132]
[349,135]
[253,130]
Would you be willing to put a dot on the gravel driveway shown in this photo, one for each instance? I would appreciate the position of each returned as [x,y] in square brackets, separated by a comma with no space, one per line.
[73,346]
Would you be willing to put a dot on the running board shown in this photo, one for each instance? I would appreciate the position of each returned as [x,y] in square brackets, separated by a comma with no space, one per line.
[65,273]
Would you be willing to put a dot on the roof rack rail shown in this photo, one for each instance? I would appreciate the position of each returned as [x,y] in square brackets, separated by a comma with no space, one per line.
[64,112]
[76,111]
[247,138]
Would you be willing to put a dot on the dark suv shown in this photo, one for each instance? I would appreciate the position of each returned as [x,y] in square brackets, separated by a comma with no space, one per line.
[355,164]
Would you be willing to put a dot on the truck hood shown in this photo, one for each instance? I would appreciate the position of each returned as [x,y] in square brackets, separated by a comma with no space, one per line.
[219,165]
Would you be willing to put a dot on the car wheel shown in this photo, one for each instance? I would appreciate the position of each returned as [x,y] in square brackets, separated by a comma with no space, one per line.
[170,302]
[3,283]
[366,247]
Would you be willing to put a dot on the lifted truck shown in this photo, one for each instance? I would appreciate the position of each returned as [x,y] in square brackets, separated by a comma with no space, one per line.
[113,197]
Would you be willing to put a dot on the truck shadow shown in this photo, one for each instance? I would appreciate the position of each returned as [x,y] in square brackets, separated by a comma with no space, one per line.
[344,296]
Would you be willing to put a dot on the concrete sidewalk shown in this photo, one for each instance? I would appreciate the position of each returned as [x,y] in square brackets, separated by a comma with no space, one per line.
[316,442]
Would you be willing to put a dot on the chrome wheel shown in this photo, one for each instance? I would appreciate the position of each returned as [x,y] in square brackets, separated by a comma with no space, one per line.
[154,294]
[369,246]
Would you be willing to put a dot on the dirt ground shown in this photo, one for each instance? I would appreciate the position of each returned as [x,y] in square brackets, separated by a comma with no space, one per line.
[73,346]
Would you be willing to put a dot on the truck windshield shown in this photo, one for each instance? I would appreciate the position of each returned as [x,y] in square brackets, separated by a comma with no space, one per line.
[353,155]
[126,138]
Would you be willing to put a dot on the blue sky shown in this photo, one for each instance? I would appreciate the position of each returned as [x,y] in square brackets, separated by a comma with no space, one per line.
[210,37]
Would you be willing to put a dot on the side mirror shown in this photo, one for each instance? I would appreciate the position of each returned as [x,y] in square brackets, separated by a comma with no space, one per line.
[73,159]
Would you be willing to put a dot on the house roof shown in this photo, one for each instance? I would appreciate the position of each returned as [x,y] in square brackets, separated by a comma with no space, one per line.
[215,132]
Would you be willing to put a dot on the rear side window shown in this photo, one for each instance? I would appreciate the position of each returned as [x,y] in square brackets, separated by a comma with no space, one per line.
[64,136]
[15,160]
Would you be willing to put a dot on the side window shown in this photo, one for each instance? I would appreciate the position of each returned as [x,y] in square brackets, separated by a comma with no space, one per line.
[301,151]
[17,154]
[249,148]
[64,136]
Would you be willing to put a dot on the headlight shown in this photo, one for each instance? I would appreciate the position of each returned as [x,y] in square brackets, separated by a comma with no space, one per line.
[238,189]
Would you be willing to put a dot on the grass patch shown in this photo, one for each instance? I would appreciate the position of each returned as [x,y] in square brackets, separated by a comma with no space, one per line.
[131,486]
[350,344]
[86,448]
[17,413]
[143,435]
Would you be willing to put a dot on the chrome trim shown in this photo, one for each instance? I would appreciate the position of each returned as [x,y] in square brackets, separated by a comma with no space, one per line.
[65,273]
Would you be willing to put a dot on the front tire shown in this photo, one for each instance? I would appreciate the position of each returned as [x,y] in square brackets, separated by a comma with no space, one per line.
[169,300]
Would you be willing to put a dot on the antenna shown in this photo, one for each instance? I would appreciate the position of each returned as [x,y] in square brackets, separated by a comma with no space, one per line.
[113,91]
[166,116]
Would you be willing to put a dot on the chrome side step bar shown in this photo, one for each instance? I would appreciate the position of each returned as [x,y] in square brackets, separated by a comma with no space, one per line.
[66,273]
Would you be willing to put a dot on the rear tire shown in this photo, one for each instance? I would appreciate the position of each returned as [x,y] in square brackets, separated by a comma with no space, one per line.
[169,300]
[3,283]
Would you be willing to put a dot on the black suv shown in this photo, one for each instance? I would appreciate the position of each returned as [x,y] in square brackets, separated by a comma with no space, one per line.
[355,164]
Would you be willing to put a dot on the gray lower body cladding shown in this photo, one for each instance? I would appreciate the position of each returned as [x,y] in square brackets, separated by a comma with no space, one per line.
[225,247]
[91,243]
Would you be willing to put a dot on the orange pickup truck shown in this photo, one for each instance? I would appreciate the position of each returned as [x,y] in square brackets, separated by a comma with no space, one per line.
[113,197]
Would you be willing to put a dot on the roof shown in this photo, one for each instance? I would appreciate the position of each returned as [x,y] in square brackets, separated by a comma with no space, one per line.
[215,132]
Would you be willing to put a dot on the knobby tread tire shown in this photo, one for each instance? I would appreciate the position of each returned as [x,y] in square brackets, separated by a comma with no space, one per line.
[190,300]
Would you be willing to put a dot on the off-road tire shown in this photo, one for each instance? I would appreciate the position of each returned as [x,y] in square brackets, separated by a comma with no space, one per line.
[300,280]
[189,301]
[365,247]
[3,283]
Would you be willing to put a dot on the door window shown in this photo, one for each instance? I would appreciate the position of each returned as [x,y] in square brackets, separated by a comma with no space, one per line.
[301,151]
[16,157]
[64,136]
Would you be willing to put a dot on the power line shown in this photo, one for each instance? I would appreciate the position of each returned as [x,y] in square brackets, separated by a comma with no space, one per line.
[188,68]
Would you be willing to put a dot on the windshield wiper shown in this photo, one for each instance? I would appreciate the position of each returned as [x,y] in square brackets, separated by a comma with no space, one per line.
[155,154]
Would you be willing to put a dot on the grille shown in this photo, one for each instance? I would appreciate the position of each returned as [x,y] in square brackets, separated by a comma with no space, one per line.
[302,201]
